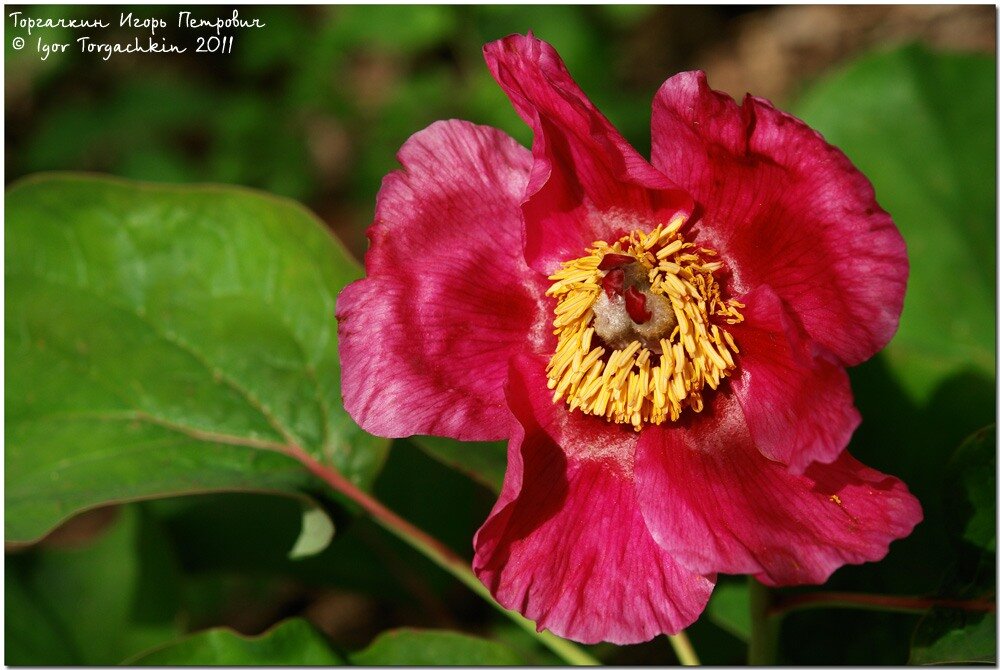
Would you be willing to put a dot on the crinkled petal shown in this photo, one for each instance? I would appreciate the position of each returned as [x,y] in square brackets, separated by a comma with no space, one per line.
[425,339]
[587,182]
[786,209]
[566,545]
[717,505]
[797,401]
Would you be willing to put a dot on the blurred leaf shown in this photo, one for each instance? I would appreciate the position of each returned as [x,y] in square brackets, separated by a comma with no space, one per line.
[394,28]
[317,531]
[485,462]
[23,67]
[167,340]
[261,50]
[33,633]
[292,642]
[101,604]
[625,15]
[136,119]
[973,489]
[406,646]
[921,126]
[949,636]
[729,608]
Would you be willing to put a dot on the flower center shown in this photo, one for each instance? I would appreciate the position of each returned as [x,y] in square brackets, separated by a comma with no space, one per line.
[641,328]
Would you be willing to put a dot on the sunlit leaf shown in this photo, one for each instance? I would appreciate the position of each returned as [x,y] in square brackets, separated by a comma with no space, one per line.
[166,340]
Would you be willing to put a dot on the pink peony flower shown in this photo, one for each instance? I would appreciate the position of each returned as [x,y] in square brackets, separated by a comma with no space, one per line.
[663,343]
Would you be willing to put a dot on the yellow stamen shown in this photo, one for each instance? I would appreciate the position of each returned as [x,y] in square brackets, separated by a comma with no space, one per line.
[644,381]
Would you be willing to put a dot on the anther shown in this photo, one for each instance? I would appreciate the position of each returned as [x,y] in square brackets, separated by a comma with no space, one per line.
[641,328]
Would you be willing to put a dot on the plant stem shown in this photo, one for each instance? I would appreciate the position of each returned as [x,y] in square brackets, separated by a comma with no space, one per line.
[682,647]
[868,601]
[763,628]
[437,552]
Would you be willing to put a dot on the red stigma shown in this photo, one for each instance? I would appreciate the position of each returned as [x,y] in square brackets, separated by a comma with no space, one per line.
[613,261]
[635,305]
[613,282]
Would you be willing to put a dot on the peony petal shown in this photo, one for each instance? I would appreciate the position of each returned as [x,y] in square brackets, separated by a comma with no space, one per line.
[717,505]
[425,339]
[587,182]
[797,402]
[566,545]
[785,208]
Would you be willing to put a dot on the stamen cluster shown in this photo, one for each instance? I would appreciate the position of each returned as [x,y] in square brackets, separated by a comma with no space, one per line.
[636,375]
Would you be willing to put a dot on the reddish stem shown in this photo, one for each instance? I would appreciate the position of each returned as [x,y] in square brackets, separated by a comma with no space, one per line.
[379,511]
[438,553]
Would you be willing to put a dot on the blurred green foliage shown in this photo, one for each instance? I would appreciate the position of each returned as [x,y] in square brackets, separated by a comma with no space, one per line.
[314,106]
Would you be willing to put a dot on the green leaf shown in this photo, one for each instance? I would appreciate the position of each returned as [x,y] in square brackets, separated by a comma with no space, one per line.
[292,642]
[317,531]
[973,489]
[99,604]
[406,646]
[949,636]
[921,126]
[165,340]
[729,608]
[33,633]
[955,634]
[485,462]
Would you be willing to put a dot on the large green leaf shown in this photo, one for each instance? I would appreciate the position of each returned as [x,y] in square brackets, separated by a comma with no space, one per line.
[164,340]
[922,127]
[292,642]
[434,647]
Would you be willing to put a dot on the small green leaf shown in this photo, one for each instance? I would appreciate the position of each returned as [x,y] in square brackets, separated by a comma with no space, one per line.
[163,340]
[406,646]
[922,127]
[729,608]
[973,489]
[485,462]
[947,636]
[292,642]
[317,531]
[961,634]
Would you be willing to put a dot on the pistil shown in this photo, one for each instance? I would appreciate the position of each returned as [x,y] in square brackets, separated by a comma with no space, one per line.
[641,328]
